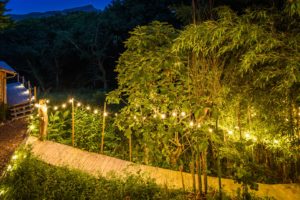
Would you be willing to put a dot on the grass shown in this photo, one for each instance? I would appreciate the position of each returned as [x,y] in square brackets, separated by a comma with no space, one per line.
[32,179]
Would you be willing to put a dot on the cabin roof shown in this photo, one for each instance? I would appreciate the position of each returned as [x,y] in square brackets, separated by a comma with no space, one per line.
[5,67]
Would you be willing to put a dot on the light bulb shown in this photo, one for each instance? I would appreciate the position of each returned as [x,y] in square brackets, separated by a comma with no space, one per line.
[174,114]
[191,123]
[247,135]
[55,108]
[182,114]
[64,105]
[71,100]
[163,116]
[210,130]
[105,114]
[95,111]
[78,104]
[88,108]
[230,132]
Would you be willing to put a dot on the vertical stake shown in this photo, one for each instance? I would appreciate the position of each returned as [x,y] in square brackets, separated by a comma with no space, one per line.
[73,123]
[103,126]
[130,148]
[35,93]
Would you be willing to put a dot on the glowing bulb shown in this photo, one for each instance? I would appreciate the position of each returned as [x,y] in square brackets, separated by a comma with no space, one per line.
[210,130]
[37,105]
[276,141]
[199,126]
[55,108]
[230,132]
[88,108]
[64,105]
[174,114]
[105,114]
[154,115]
[163,116]
[47,101]
[78,104]
[182,114]
[247,135]
[71,100]
[254,139]
[116,114]
[31,117]
[31,127]
[286,119]
[95,111]
[191,123]
[134,117]
[9,168]
[14,157]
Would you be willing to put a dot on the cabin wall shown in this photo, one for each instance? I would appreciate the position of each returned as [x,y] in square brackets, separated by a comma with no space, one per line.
[2,88]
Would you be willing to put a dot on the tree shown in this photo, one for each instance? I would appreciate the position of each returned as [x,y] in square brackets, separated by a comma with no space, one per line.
[4,20]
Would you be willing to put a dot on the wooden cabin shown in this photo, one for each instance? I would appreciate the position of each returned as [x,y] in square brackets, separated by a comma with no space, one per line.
[6,72]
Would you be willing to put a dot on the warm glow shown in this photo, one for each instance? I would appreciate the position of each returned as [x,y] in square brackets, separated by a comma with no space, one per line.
[182,114]
[105,114]
[230,132]
[64,105]
[163,116]
[95,111]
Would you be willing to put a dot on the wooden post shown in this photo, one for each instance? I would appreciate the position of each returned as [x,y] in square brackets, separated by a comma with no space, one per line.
[35,94]
[73,122]
[130,149]
[30,93]
[103,127]
[43,118]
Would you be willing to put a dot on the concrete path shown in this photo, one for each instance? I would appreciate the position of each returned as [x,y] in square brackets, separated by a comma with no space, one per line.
[95,164]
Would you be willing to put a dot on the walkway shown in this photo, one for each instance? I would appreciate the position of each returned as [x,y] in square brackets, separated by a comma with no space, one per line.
[95,164]
[12,134]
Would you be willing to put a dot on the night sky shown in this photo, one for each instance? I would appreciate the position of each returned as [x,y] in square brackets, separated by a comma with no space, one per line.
[27,6]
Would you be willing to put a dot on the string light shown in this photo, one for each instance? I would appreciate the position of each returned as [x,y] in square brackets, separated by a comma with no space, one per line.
[78,104]
[163,116]
[182,114]
[155,115]
[210,130]
[134,117]
[71,100]
[88,108]
[47,101]
[9,168]
[247,135]
[230,132]
[105,114]
[116,114]
[55,108]
[276,141]
[199,126]
[96,111]
[191,124]
[174,114]
[14,157]
[64,105]
[144,118]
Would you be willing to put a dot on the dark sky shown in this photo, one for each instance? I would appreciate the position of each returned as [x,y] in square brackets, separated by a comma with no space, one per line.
[27,6]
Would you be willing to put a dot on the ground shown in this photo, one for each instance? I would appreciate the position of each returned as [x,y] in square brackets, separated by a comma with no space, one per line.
[12,134]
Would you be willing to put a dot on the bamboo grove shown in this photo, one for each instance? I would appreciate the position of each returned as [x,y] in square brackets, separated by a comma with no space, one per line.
[220,97]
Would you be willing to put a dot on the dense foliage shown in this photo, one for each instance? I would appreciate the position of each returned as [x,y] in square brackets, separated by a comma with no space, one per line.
[223,93]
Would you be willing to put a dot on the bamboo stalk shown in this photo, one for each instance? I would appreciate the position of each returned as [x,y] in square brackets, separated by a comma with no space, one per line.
[130,149]
[103,127]
[73,123]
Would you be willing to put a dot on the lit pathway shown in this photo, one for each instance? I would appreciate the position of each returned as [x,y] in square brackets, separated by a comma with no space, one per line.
[92,163]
